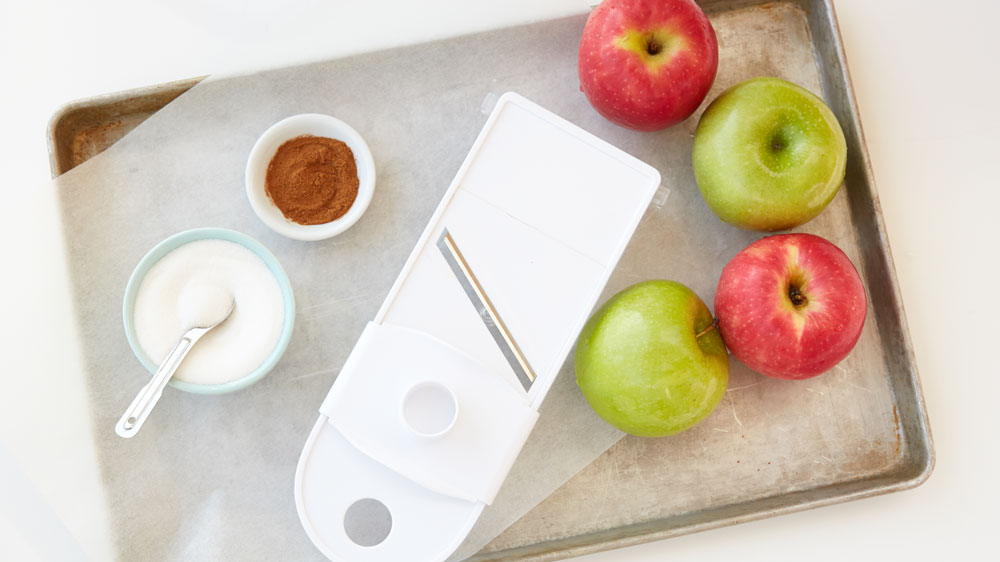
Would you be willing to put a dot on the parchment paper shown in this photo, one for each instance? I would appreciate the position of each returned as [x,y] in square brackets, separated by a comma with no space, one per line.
[210,477]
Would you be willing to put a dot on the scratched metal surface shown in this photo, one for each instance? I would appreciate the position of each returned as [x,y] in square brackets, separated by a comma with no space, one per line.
[772,446]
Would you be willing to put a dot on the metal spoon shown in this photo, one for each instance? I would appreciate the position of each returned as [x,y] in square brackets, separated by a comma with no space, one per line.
[139,410]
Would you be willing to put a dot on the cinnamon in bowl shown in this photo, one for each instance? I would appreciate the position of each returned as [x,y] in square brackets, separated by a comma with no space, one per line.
[310,176]
[312,179]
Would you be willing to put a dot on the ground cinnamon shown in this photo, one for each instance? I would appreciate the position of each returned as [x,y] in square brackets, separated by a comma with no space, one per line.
[312,180]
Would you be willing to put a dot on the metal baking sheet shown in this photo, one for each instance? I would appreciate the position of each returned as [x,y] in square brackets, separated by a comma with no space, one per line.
[772,446]
[82,129]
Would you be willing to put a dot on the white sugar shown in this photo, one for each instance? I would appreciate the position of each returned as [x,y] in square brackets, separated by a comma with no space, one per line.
[190,286]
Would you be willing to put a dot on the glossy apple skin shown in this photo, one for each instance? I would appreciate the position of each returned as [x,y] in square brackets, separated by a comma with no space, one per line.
[638,90]
[762,326]
[640,365]
[768,155]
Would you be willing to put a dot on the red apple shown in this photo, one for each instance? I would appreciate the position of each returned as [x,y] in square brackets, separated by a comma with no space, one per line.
[647,64]
[790,306]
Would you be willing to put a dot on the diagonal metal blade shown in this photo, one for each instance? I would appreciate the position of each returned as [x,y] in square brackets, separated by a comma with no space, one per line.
[487,312]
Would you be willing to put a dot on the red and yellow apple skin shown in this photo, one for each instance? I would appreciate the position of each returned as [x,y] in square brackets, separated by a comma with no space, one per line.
[647,64]
[790,306]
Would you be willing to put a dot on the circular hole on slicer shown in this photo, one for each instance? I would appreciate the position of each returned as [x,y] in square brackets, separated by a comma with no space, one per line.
[367,522]
[429,409]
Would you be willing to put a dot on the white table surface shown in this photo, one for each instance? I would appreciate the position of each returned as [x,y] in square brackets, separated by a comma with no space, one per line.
[925,74]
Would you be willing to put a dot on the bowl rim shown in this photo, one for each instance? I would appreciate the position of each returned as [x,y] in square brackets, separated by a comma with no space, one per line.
[177,240]
[321,125]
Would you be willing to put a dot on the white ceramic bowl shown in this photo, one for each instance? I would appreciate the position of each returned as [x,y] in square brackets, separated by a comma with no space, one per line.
[318,125]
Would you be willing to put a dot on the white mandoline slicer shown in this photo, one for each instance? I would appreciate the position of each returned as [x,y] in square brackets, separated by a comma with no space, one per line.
[443,387]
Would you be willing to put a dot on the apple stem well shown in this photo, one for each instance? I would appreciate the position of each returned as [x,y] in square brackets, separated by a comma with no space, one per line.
[798,298]
[652,45]
[709,328]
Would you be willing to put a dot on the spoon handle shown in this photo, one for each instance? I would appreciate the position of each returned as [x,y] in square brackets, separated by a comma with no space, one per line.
[139,410]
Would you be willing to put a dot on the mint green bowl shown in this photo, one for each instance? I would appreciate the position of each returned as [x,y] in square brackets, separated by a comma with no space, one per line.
[178,240]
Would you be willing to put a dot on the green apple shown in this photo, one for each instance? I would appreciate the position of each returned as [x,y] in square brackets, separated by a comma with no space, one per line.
[768,155]
[650,361]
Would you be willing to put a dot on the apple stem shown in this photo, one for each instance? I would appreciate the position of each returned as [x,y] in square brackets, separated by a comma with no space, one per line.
[712,326]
